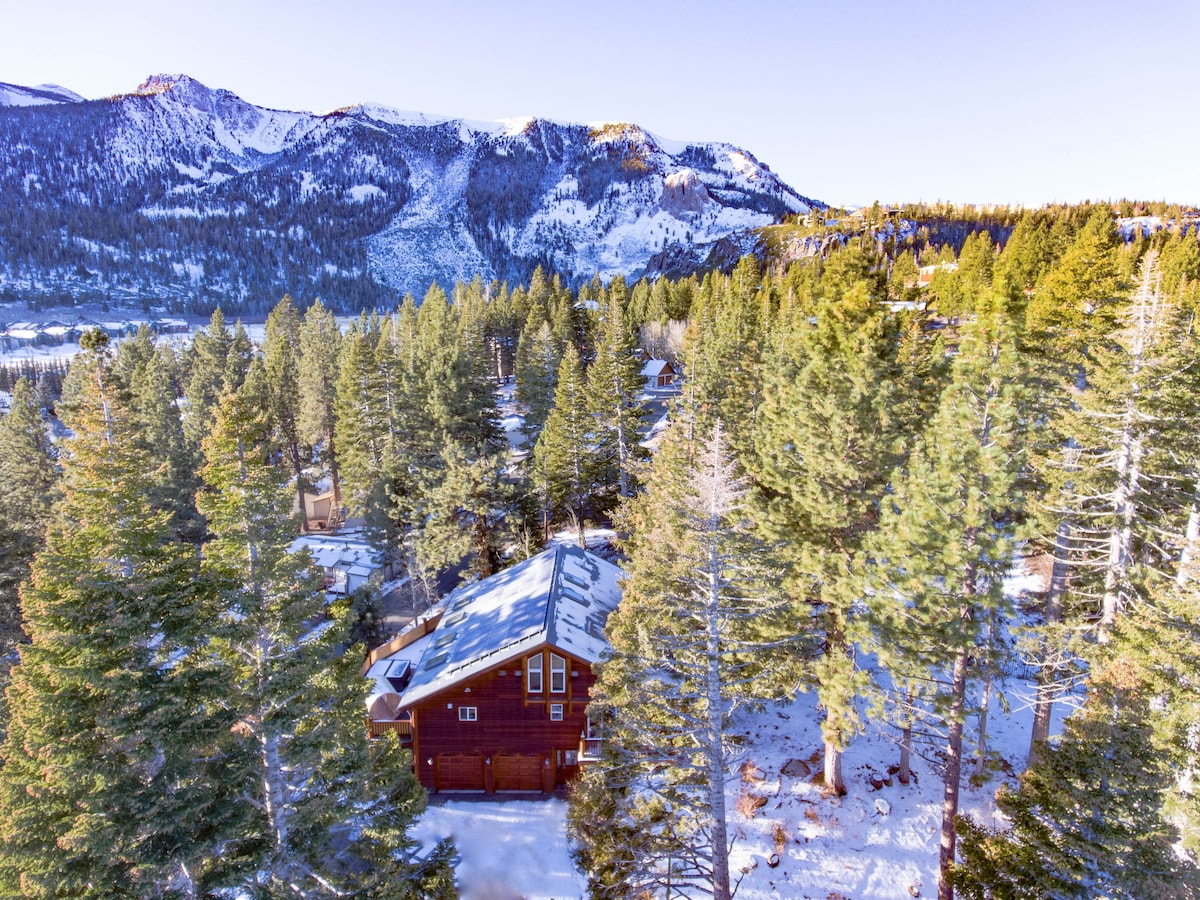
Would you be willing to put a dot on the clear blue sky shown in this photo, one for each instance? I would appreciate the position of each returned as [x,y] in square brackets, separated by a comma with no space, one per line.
[850,102]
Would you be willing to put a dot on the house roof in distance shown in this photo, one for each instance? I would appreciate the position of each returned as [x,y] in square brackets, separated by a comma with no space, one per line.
[561,597]
[655,367]
[349,551]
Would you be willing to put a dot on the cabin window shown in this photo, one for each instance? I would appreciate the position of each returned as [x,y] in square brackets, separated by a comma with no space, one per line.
[468,713]
[558,674]
[534,666]
[571,758]
[556,712]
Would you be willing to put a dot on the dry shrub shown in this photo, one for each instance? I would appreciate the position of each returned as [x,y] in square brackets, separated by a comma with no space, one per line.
[750,772]
[749,803]
[780,837]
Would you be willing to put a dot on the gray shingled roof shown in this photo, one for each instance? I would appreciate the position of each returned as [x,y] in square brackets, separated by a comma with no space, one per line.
[561,597]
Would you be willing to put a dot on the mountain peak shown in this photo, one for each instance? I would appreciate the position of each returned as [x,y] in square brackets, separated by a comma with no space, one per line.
[364,204]
[159,84]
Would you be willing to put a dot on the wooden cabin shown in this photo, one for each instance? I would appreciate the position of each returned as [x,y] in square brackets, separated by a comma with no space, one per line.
[658,374]
[495,695]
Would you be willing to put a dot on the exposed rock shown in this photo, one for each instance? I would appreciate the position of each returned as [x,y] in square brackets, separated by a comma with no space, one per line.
[683,191]
[796,768]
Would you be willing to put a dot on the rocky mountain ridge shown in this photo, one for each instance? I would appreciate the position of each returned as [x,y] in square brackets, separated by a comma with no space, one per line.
[183,196]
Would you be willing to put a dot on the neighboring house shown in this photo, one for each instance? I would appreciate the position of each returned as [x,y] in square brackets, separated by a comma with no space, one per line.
[658,373]
[494,690]
[171,326]
[22,334]
[320,512]
[925,273]
[347,560]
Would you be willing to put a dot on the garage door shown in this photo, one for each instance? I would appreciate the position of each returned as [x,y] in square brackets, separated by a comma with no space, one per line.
[460,772]
[518,771]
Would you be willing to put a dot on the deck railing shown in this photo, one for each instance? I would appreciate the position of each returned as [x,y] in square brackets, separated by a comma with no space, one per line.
[589,749]
[379,727]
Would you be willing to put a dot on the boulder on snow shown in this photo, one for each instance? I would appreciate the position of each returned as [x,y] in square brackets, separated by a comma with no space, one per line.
[882,806]
[796,768]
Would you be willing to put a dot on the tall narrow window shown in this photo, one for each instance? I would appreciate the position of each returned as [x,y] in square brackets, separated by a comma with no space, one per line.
[558,674]
[534,666]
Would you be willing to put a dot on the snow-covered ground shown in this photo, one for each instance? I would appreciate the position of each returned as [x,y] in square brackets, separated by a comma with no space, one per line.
[508,849]
[876,843]
[873,843]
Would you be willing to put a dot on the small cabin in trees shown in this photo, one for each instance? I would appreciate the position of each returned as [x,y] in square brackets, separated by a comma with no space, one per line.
[492,692]
[347,560]
[658,373]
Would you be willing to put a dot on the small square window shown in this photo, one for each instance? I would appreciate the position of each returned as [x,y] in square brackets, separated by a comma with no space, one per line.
[556,712]
[468,713]
[571,758]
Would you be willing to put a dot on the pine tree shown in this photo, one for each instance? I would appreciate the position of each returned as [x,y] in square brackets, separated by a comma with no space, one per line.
[147,372]
[688,649]
[281,358]
[823,447]
[1088,818]
[361,414]
[615,385]
[463,485]
[29,473]
[237,362]
[1163,640]
[113,687]
[306,767]
[320,345]
[946,541]
[207,376]
[564,466]
[538,358]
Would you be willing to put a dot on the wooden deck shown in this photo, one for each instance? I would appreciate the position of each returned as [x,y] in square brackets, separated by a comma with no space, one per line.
[402,728]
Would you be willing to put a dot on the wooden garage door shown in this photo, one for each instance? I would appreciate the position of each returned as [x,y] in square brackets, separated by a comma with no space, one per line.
[460,772]
[518,771]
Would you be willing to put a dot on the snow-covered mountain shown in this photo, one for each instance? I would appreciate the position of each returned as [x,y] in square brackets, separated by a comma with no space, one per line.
[182,194]
[16,95]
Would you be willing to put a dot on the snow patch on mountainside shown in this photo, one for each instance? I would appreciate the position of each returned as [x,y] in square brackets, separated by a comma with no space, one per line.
[426,241]
[407,197]
[41,95]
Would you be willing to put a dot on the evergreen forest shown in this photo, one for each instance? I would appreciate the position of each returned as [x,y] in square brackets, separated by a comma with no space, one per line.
[852,464]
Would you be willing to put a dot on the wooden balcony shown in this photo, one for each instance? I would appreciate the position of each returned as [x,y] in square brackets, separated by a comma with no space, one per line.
[379,727]
[589,749]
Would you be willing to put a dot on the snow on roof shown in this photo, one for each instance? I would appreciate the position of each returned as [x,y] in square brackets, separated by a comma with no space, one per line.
[655,367]
[562,597]
[349,552]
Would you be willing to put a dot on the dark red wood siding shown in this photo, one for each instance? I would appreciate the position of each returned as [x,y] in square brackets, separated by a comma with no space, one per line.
[508,719]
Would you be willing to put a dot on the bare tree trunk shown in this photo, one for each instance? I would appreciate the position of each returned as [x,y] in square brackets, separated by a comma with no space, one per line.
[952,776]
[274,791]
[1146,321]
[1120,543]
[981,748]
[334,477]
[714,737]
[835,783]
[624,488]
[1047,674]
[905,772]
[1191,538]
